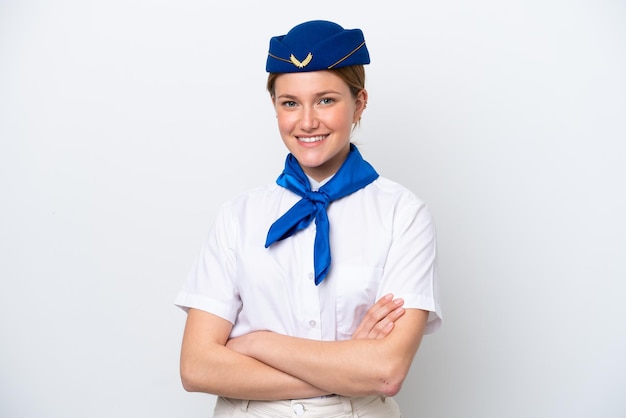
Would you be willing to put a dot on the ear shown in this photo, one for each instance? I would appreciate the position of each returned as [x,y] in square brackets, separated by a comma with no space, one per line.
[360,104]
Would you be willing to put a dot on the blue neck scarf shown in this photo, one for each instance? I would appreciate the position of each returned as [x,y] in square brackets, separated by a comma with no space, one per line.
[354,174]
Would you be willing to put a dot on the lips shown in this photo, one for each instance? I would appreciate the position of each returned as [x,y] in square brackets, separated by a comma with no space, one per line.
[310,139]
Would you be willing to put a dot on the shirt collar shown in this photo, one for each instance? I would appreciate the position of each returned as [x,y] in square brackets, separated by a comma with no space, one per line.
[315,185]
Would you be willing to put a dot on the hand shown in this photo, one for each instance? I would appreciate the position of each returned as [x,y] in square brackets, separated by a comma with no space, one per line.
[378,321]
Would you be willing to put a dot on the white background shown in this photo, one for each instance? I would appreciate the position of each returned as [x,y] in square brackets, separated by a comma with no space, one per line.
[123,124]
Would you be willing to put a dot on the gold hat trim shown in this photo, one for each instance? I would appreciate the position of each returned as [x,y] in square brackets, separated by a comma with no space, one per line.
[301,64]
[293,60]
[346,57]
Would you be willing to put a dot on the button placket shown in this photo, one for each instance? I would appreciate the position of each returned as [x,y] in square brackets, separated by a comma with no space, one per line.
[310,303]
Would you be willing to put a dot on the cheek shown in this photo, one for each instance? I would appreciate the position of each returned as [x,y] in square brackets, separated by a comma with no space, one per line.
[343,120]
[286,123]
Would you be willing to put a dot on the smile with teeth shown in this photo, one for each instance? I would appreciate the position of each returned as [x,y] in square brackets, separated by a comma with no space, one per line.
[311,138]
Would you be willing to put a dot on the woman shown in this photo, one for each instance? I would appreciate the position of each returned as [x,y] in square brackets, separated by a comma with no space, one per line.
[325,318]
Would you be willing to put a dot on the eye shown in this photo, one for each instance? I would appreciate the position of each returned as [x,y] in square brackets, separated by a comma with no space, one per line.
[326,100]
[289,103]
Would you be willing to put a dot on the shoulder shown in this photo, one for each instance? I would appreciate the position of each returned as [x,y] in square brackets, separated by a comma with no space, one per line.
[384,188]
[259,203]
[245,211]
[398,203]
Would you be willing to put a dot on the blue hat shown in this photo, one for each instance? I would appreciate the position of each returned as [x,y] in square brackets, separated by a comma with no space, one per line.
[316,45]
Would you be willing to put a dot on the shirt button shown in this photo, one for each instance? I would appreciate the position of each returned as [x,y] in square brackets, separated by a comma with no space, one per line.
[312,323]
[311,276]
[298,409]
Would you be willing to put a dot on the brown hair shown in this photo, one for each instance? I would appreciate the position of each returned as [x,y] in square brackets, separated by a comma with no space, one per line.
[352,75]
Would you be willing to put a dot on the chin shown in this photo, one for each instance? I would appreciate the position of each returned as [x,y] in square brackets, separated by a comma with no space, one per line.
[310,164]
[309,157]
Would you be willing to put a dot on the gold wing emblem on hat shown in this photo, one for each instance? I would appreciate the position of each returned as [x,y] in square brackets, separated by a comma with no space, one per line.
[304,62]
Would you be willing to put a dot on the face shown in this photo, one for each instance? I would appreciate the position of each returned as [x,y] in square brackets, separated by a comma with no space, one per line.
[316,112]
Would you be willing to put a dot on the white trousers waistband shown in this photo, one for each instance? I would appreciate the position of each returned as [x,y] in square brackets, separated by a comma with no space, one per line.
[328,407]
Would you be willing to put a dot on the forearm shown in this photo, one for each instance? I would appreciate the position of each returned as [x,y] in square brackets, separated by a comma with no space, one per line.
[344,367]
[353,367]
[206,365]
[221,371]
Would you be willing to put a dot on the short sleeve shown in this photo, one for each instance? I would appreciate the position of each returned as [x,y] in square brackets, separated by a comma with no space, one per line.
[410,270]
[210,284]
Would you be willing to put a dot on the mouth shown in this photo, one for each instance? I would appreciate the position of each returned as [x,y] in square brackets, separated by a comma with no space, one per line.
[311,139]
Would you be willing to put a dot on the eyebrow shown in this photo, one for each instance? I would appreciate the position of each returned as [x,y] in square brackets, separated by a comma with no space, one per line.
[321,93]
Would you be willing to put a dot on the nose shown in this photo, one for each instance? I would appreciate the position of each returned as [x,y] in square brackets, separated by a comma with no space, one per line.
[309,120]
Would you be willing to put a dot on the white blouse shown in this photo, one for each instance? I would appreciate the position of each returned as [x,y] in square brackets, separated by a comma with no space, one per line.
[382,240]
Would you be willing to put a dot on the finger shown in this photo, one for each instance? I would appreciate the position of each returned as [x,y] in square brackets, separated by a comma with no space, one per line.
[374,314]
[383,311]
[375,318]
[370,319]
[382,308]
[386,325]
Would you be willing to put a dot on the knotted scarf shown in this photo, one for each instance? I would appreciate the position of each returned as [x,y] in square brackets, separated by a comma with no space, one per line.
[354,174]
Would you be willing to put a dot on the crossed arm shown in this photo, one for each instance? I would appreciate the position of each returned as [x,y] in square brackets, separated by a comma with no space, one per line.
[268,366]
